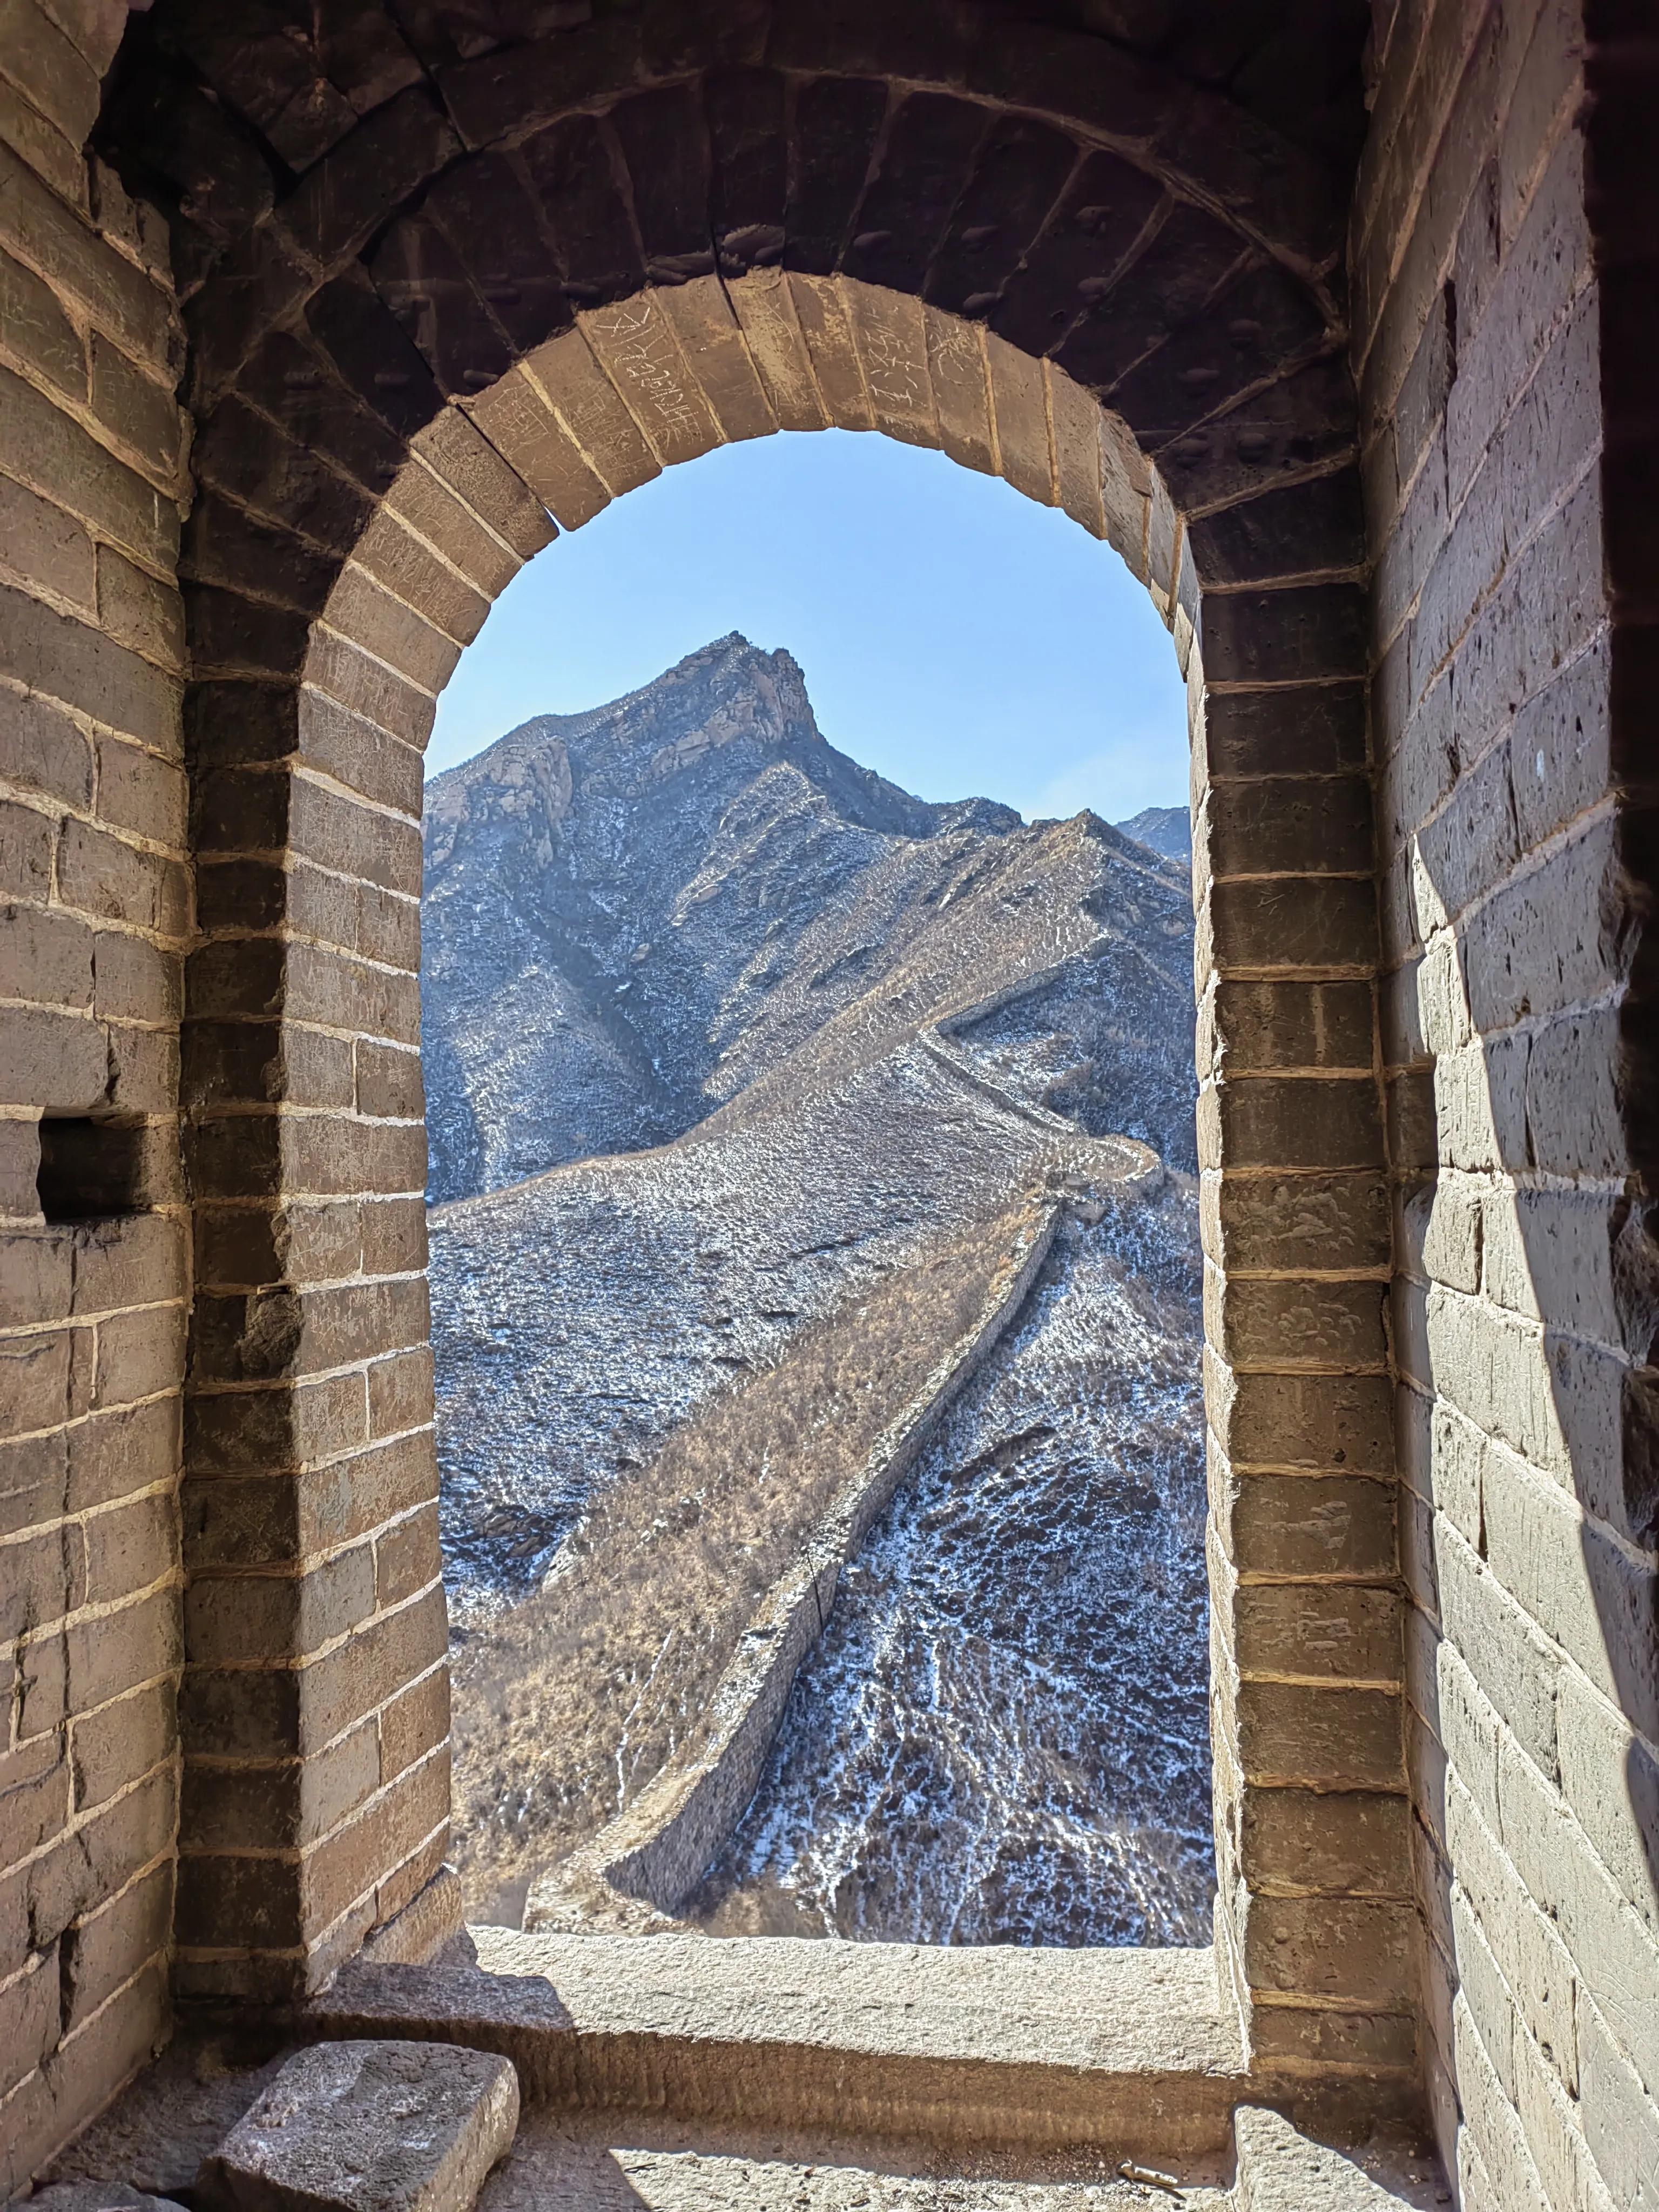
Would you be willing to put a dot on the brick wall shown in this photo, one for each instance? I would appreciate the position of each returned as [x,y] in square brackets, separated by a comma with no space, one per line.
[374,327]
[1504,701]
[502,266]
[94,905]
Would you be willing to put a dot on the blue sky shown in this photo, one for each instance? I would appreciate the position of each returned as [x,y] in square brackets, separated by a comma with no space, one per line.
[956,636]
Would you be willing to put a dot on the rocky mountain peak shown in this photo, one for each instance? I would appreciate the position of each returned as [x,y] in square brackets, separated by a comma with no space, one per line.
[538,773]
[688,899]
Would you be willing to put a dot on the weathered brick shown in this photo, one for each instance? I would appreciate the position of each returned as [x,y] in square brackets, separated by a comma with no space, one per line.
[277,1618]
[140,1352]
[355,1861]
[41,749]
[1612,1951]
[258,1899]
[58,1060]
[109,1949]
[358,753]
[134,980]
[394,1234]
[45,547]
[34,1482]
[1540,1988]
[1512,1662]
[764,306]
[1020,417]
[398,559]
[72,663]
[1610,1779]
[139,611]
[1327,1736]
[363,610]
[1361,1950]
[1321,2035]
[414,1722]
[286,1333]
[29,2013]
[407,1558]
[285,1711]
[139,413]
[1321,1422]
[636,345]
[50,68]
[274,1430]
[1347,1841]
[45,955]
[45,448]
[326,827]
[130,1548]
[116,1651]
[41,146]
[388,1082]
[1583,1590]
[141,791]
[1285,1222]
[121,1742]
[424,1857]
[1287,636]
[269,1520]
[455,451]
[1621,2119]
[400,1392]
[1313,730]
[1493,2137]
[826,331]
[109,2048]
[1288,1324]
[352,679]
[1263,1026]
[1309,1525]
[115,1453]
[284,1805]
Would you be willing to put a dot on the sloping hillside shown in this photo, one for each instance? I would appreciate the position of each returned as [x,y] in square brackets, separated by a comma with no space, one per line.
[740,1061]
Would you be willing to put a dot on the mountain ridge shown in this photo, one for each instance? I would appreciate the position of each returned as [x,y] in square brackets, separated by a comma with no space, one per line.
[639,915]
[730,1045]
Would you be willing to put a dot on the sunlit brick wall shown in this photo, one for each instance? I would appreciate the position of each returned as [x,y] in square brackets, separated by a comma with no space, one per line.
[1524,1302]
[96,888]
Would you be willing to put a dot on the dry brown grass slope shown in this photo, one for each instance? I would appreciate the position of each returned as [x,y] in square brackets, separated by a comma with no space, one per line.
[570,1705]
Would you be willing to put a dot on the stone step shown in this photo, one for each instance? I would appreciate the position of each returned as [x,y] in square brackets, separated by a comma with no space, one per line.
[684,2074]
[1127,2052]
[1279,2169]
[593,2161]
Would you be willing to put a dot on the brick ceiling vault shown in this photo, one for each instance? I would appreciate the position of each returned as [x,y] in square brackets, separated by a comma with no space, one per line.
[454,276]
[373,221]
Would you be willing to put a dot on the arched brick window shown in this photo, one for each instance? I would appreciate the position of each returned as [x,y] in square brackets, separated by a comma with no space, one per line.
[441,308]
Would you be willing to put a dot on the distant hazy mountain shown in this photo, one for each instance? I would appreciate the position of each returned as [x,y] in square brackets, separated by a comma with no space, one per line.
[1167,829]
[635,915]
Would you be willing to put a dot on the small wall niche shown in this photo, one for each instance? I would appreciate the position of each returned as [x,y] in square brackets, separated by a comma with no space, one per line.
[89,1170]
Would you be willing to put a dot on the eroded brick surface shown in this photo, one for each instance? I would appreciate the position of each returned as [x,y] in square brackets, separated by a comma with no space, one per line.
[1489,295]
[98,912]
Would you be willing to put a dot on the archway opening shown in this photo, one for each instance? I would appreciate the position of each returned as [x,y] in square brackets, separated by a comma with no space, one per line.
[776,1113]
[968,240]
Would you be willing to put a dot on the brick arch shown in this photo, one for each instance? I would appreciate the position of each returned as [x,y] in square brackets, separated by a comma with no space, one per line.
[439,310]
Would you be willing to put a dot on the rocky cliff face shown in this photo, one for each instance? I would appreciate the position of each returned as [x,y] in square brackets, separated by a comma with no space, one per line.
[635,916]
[1166,829]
